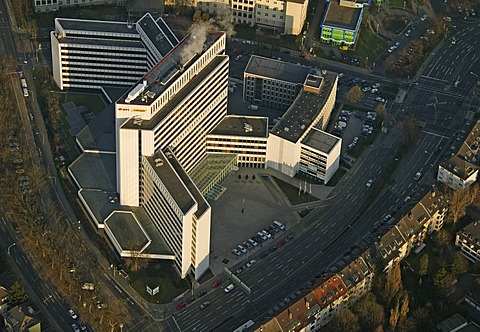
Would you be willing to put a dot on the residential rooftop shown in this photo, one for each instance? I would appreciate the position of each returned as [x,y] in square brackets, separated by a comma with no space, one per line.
[172,103]
[460,167]
[277,69]
[470,146]
[304,109]
[472,231]
[354,272]
[165,72]
[341,17]
[321,140]
[329,290]
[238,125]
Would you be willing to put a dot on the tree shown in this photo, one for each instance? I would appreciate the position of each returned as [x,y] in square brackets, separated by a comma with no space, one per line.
[381,111]
[460,265]
[411,128]
[423,269]
[393,283]
[345,320]
[442,238]
[136,262]
[458,203]
[354,95]
[443,281]
[16,294]
[369,312]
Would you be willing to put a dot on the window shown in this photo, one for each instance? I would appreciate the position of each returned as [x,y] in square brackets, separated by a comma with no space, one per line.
[266,14]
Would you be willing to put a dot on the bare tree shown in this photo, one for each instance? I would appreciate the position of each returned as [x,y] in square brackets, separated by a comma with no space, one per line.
[381,111]
[136,262]
[345,320]
[354,95]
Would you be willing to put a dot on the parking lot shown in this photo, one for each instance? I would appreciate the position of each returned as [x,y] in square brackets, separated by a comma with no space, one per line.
[246,208]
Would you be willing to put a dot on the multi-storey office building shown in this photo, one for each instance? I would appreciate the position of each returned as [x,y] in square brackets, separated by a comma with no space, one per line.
[273,83]
[292,146]
[92,54]
[243,136]
[41,6]
[170,111]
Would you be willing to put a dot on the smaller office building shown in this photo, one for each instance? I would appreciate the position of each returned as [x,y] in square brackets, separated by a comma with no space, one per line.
[272,83]
[341,22]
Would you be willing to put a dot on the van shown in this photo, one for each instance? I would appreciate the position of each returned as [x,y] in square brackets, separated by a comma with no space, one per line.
[279,225]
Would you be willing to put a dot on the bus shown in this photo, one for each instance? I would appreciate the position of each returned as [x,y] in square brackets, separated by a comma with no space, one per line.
[244,326]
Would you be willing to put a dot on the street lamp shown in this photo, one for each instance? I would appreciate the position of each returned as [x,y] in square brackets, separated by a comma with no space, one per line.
[121,327]
[8,249]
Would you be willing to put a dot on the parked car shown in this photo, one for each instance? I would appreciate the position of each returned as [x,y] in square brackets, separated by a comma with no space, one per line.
[236,252]
[253,242]
[229,288]
[72,314]
[216,284]
[75,328]
[181,306]
[240,269]
[369,183]
[251,262]
[241,249]
[201,293]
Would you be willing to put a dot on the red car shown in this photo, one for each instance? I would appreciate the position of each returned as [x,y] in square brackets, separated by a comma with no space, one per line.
[216,284]
[181,306]
[281,243]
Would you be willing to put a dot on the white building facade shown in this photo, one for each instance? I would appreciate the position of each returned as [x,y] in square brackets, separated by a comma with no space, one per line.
[92,54]
[168,115]
[42,6]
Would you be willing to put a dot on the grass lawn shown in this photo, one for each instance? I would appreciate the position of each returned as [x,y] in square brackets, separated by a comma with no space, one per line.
[292,193]
[369,45]
[161,275]
[94,102]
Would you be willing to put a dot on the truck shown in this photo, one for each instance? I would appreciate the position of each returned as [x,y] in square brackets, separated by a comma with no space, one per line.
[88,286]
[197,15]
[24,83]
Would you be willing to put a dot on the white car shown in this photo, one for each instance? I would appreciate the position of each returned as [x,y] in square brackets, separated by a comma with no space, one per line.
[374,91]
[424,17]
[251,262]
[236,252]
[367,88]
[380,99]
[242,249]
[369,183]
[229,288]
[253,242]
[72,314]
[376,85]
[267,234]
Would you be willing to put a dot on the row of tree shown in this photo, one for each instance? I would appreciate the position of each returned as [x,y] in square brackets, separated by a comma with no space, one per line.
[56,249]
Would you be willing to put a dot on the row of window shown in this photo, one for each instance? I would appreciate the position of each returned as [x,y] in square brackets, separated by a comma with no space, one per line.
[234,151]
[213,140]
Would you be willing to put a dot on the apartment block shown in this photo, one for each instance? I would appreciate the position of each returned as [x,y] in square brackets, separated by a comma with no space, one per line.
[468,240]
[461,170]
[93,54]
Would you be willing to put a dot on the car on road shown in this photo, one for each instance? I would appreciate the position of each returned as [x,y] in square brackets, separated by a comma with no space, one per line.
[424,17]
[272,249]
[216,284]
[263,255]
[190,299]
[251,262]
[72,314]
[374,90]
[380,99]
[369,183]
[204,305]
[417,176]
[82,326]
[281,243]
[202,293]
[289,237]
[229,288]
[387,217]
[75,328]
[407,34]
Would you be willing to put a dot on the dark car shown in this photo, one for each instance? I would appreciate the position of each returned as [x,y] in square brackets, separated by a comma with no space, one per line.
[204,305]
[263,255]
[181,306]
[201,293]
[281,243]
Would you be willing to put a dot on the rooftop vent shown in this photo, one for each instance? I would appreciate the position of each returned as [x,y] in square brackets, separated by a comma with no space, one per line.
[247,127]
[130,25]
[137,121]
[158,162]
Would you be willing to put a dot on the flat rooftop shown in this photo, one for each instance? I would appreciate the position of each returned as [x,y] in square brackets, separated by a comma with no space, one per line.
[95,171]
[164,41]
[172,103]
[250,126]
[160,77]
[126,230]
[99,135]
[172,181]
[341,16]
[306,106]
[320,140]
[202,204]
[209,168]
[277,69]
[97,26]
